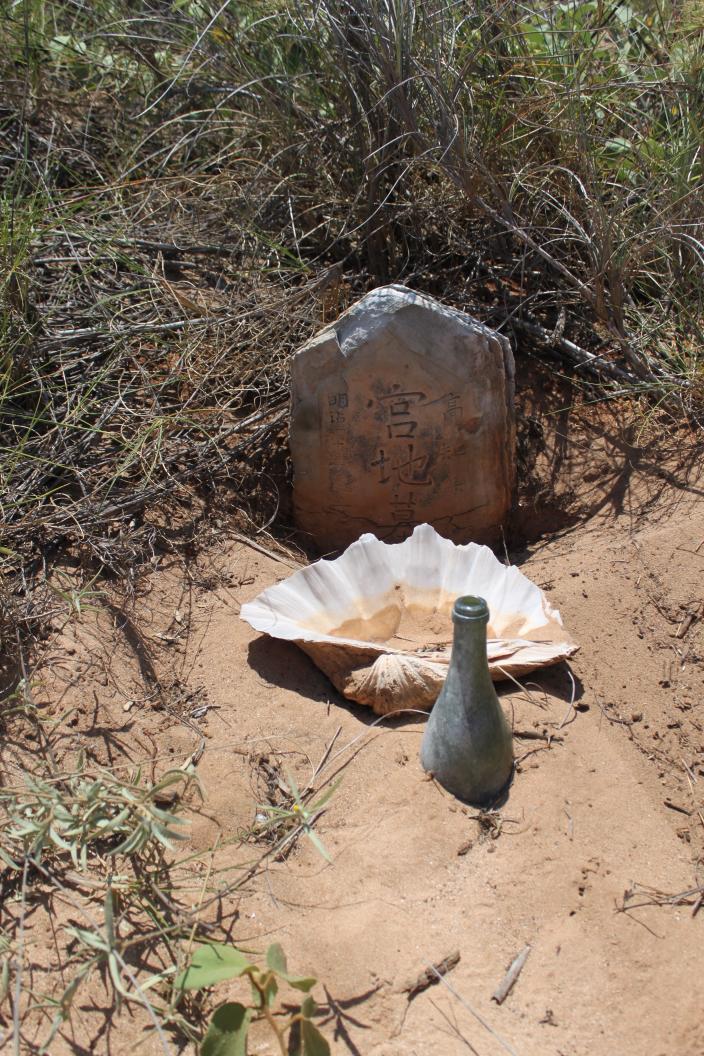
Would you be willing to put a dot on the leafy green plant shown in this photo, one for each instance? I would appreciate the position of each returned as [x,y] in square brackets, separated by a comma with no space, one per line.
[297,815]
[72,815]
[227,1032]
[76,598]
[102,950]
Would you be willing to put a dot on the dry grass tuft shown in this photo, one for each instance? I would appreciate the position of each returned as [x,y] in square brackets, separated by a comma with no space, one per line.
[186,185]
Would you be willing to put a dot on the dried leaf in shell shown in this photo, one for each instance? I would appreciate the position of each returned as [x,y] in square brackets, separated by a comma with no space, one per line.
[378,619]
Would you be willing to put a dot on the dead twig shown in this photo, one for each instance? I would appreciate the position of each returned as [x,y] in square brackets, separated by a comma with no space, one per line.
[692,616]
[677,807]
[508,982]
[577,356]
[246,541]
[693,896]
[537,735]
[431,975]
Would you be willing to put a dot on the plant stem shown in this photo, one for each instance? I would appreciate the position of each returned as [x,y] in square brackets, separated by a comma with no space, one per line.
[280,1034]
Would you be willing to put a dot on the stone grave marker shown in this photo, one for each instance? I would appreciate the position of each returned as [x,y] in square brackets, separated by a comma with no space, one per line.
[401,413]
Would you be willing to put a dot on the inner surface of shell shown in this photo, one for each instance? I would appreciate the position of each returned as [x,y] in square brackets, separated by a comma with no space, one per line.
[378,619]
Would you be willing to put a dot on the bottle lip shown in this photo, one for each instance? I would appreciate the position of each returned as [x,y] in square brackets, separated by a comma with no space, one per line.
[470,607]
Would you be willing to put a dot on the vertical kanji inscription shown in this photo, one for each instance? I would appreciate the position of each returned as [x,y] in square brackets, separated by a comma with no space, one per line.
[402,413]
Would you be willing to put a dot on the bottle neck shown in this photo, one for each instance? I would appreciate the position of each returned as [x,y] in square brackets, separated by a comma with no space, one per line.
[469,647]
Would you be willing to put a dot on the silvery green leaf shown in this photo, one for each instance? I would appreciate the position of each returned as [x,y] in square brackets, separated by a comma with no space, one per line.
[59,840]
[8,860]
[114,969]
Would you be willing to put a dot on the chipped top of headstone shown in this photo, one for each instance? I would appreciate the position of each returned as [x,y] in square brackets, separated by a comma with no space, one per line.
[402,413]
[362,321]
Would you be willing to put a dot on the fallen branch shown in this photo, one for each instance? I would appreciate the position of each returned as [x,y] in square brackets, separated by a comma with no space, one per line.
[579,357]
[431,975]
[77,337]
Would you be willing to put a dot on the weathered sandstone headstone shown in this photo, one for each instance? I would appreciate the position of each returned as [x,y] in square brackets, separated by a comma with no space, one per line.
[402,413]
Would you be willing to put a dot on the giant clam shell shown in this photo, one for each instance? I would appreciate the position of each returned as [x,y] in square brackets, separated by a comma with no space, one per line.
[378,619]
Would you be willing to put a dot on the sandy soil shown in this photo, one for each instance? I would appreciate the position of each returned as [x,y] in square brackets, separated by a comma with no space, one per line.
[604,817]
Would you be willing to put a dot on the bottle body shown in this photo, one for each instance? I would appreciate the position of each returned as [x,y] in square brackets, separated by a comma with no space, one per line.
[467,745]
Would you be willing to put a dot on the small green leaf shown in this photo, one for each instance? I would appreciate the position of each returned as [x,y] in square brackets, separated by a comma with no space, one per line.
[301,982]
[308,1007]
[227,1033]
[314,1044]
[5,857]
[109,911]
[276,959]
[210,964]
[4,978]
[315,840]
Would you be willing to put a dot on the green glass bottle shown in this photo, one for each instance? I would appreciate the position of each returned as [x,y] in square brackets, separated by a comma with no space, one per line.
[467,745]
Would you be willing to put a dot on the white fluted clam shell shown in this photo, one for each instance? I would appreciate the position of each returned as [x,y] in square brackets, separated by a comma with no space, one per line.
[378,619]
